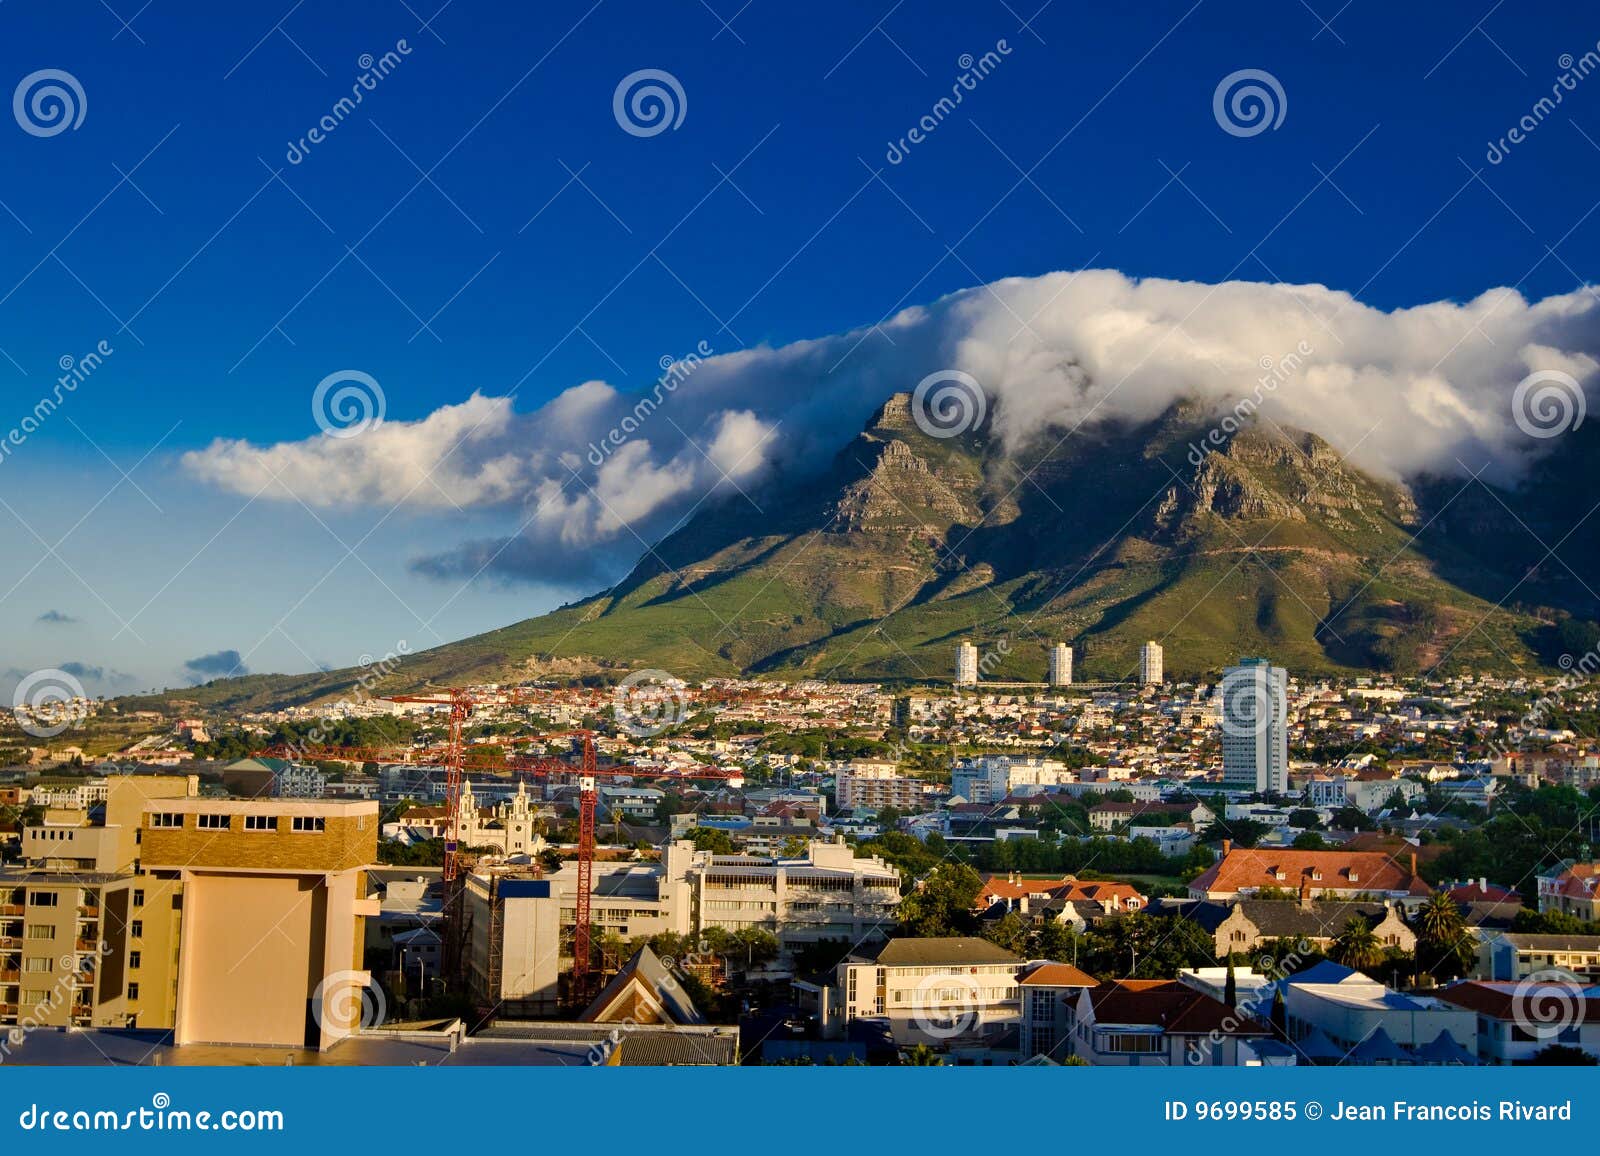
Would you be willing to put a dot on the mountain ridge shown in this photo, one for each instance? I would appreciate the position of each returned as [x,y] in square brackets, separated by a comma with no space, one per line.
[905,543]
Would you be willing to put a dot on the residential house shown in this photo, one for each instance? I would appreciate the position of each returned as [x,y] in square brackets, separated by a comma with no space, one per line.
[1161,1022]
[1573,890]
[1517,1020]
[1049,996]
[1243,872]
[1509,955]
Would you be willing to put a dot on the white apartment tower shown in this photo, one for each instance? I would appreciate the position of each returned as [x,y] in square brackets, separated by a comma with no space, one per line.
[1150,664]
[966,664]
[1061,665]
[1254,707]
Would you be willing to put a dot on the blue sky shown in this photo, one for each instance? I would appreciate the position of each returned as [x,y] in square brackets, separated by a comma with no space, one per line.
[481,222]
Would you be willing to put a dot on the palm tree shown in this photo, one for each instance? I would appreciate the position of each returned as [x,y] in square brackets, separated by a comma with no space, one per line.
[1444,941]
[921,1056]
[1356,946]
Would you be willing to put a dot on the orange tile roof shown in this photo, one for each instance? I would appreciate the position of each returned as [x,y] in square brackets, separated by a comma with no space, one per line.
[1059,975]
[1242,869]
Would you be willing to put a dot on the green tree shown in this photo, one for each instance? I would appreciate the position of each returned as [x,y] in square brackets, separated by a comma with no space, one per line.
[942,905]
[1356,946]
[921,1056]
[1445,945]
[1564,1055]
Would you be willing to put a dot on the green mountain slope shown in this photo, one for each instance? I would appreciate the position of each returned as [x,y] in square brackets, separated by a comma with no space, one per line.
[877,567]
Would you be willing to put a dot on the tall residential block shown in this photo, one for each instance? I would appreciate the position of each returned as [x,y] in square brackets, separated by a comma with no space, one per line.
[966,664]
[1254,708]
[1151,670]
[1061,665]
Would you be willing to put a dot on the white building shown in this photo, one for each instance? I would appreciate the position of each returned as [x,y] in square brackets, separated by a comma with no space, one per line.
[1254,705]
[1061,665]
[520,924]
[1151,670]
[946,993]
[966,664]
[990,778]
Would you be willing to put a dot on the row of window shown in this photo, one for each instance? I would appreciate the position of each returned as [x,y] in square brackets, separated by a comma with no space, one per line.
[302,824]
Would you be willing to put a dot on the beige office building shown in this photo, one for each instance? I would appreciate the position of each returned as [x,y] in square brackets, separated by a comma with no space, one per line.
[273,895]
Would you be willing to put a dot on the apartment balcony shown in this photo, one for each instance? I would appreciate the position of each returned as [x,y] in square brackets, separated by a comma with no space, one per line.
[88,945]
[14,909]
[88,912]
[10,976]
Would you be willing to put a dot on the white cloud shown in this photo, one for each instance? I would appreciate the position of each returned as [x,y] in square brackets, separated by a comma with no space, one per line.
[1406,391]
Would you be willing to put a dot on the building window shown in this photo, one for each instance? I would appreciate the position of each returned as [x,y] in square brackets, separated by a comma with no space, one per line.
[43,899]
[309,823]
[166,819]
[133,991]
[41,931]
[134,960]
[212,822]
[261,822]
[138,897]
[39,963]
[136,928]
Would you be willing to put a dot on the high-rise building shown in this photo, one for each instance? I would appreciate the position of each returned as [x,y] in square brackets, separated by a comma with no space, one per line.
[1150,664]
[1061,665]
[1253,699]
[966,664]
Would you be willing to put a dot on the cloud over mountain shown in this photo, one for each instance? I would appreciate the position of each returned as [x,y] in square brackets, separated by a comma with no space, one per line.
[1423,389]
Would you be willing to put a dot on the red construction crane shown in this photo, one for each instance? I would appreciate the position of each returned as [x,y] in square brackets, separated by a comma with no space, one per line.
[455,762]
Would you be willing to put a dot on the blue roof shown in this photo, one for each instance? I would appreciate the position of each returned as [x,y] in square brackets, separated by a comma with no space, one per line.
[1444,1049]
[1379,1048]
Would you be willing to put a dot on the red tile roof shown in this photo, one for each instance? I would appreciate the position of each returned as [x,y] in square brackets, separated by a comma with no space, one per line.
[1073,890]
[1171,1006]
[1284,868]
[1523,1001]
[1059,975]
